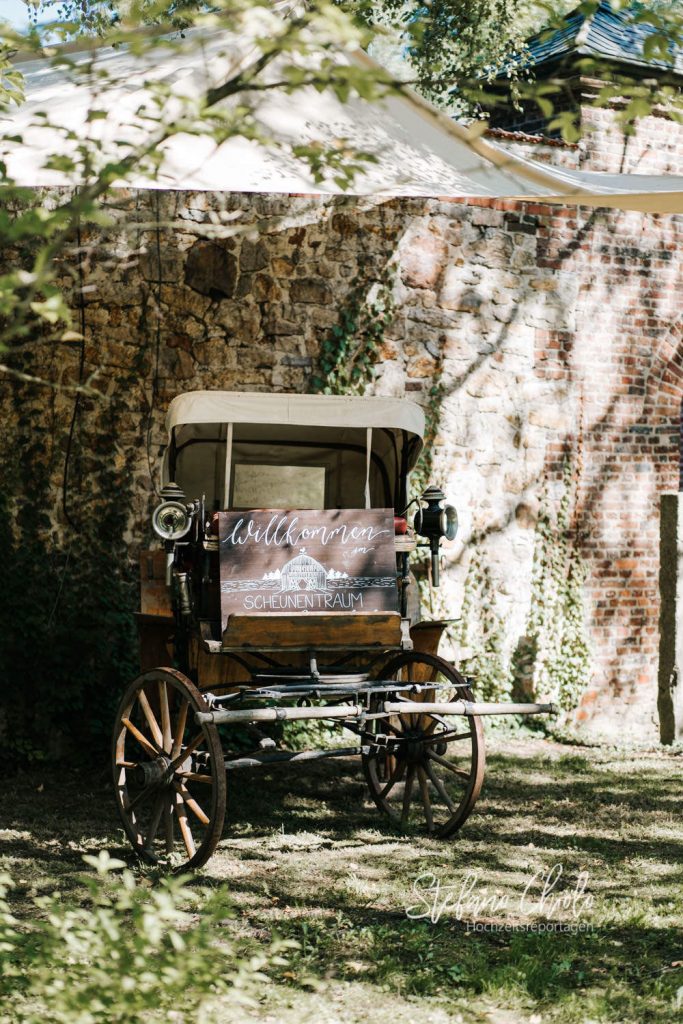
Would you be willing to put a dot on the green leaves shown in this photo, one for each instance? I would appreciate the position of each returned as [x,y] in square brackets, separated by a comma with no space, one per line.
[338,161]
[349,352]
[11,80]
[567,123]
[281,48]
[481,633]
[454,45]
[657,47]
[459,48]
[553,660]
[75,615]
[52,310]
[133,951]
[103,863]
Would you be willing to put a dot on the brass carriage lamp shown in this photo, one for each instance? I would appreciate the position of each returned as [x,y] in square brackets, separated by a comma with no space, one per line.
[434,522]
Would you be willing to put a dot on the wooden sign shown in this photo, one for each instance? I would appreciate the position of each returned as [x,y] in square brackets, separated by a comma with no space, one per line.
[299,562]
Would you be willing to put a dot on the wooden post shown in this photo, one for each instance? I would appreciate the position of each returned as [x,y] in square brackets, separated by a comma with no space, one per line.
[228,467]
[670,672]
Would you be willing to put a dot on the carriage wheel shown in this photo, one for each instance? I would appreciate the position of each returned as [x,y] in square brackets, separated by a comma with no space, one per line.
[169,774]
[427,770]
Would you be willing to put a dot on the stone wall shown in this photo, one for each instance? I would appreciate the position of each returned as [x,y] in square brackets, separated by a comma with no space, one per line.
[548,331]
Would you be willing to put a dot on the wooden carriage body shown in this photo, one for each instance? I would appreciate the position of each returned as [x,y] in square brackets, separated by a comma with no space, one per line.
[322,460]
[283,592]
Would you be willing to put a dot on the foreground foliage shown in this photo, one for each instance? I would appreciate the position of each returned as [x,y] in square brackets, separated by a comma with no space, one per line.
[458,49]
[288,48]
[130,952]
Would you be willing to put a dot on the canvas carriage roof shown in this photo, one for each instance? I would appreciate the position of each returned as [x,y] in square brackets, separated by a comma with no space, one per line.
[419,150]
[367,444]
[338,411]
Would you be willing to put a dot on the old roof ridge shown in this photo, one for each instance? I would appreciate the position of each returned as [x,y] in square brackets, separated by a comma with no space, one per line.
[605,33]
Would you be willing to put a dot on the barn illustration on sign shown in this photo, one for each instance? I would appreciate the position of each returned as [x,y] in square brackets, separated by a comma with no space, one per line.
[303,573]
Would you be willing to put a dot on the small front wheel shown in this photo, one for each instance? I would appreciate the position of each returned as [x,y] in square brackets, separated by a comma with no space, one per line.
[169,773]
[425,771]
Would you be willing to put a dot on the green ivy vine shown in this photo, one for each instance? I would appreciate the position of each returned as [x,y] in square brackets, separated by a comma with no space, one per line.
[481,632]
[348,354]
[553,659]
[68,646]
[423,474]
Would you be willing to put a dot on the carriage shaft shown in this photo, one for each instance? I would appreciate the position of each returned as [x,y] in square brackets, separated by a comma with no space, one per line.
[466,707]
[278,714]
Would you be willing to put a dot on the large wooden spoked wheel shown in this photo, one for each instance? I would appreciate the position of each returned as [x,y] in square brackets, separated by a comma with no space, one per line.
[169,773]
[425,771]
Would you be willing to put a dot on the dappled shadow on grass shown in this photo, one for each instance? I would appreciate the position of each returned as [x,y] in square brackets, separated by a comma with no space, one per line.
[306,856]
[342,937]
[522,796]
[621,967]
[583,812]
[345,901]
[53,816]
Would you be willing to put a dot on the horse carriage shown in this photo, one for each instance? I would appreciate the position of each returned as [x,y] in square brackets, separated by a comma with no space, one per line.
[283,591]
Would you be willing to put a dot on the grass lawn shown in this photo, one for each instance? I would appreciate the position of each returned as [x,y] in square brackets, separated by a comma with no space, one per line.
[306,858]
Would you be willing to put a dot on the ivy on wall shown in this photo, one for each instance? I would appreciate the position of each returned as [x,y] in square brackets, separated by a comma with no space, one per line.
[480,632]
[348,354]
[346,366]
[68,643]
[552,660]
[423,474]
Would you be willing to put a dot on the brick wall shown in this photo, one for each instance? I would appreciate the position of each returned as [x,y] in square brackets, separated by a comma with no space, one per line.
[624,359]
[547,328]
[654,147]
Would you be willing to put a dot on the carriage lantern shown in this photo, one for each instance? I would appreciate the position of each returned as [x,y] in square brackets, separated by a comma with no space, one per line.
[435,522]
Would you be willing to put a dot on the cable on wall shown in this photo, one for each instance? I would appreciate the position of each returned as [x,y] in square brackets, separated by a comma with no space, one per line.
[155,378]
[81,368]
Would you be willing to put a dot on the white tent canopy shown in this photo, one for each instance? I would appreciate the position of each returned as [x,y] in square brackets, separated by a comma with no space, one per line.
[419,151]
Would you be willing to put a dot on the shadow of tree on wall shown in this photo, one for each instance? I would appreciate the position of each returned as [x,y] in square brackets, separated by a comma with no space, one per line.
[616,431]
[79,479]
[68,643]
[156,323]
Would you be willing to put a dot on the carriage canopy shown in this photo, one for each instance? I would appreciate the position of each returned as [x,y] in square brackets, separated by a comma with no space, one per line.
[259,450]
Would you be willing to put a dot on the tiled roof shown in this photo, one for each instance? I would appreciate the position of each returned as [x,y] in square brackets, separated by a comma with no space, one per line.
[532,140]
[607,34]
